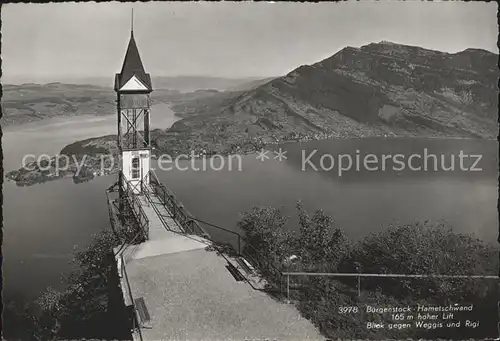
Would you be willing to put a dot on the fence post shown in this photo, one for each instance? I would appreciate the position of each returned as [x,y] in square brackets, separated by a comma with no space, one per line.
[359,286]
[288,288]
[357,266]
[498,324]
[179,210]
[281,284]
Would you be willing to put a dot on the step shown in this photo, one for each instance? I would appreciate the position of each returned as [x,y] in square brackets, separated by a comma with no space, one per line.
[236,274]
[245,265]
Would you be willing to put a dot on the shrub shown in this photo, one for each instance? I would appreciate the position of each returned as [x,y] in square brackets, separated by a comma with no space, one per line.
[420,248]
[423,248]
[321,245]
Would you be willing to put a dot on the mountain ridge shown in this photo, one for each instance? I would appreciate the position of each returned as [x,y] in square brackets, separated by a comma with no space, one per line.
[379,89]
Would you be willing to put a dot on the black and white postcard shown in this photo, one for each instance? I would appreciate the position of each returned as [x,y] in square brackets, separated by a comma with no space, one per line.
[284,171]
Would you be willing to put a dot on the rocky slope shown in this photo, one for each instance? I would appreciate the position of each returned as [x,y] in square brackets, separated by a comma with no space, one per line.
[381,89]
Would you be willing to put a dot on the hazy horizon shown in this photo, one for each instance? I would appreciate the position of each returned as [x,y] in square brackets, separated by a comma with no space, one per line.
[82,80]
[44,43]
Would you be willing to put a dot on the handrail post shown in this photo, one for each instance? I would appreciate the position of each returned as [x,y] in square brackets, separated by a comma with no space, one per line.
[282,284]
[359,286]
[179,210]
[288,288]
[357,265]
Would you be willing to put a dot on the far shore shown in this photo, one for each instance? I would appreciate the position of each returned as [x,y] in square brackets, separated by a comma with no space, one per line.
[48,121]
[242,147]
[44,122]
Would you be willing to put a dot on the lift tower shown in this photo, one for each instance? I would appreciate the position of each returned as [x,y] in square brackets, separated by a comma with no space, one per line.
[133,88]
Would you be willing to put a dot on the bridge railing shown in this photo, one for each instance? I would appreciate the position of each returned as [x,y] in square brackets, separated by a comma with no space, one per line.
[242,247]
[179,212]
[135,319]
[135,204]
[192,225]
[285,282]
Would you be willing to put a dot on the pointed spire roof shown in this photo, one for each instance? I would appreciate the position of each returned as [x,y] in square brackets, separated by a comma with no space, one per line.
[132,66]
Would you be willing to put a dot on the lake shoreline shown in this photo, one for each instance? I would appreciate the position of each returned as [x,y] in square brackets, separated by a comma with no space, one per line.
[175,143]
[261,183]
[46,121]
[93,165]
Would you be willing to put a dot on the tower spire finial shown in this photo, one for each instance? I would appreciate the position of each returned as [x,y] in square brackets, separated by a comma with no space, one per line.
[132,22]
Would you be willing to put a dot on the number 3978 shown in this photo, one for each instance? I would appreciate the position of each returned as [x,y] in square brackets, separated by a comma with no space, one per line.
[348,310]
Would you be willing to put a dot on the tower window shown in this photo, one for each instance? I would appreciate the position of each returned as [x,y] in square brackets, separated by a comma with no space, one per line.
[135,168]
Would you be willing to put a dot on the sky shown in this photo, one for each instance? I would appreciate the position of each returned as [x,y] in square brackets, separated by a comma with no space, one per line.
[61,41]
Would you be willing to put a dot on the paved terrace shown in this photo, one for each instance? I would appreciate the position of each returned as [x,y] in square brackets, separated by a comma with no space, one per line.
[190,295]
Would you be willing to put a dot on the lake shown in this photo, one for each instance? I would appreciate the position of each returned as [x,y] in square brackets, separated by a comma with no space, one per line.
[361,202]
[42,223]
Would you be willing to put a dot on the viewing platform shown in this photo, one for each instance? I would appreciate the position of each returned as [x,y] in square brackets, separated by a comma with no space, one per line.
[180,288]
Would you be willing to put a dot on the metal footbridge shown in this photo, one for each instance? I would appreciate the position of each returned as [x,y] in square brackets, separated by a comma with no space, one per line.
[179,283]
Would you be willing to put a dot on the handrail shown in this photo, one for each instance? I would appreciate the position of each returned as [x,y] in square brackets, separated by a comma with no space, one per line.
[255,256]
[123,270]
[137,209]
[165,224]
[179,212]
[136,319]
[190,223]
[360,274]
[248,251]
[160,216]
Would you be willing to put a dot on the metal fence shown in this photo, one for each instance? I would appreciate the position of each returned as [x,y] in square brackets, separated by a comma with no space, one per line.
[297,284]
[179,212]
[238,244]
[135,205]
[135,318]
[241,247]
[288,284]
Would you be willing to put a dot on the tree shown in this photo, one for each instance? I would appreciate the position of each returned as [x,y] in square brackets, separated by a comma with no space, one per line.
[81,309]
[322,246]
[266,232]
[318,247]
[48,315]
